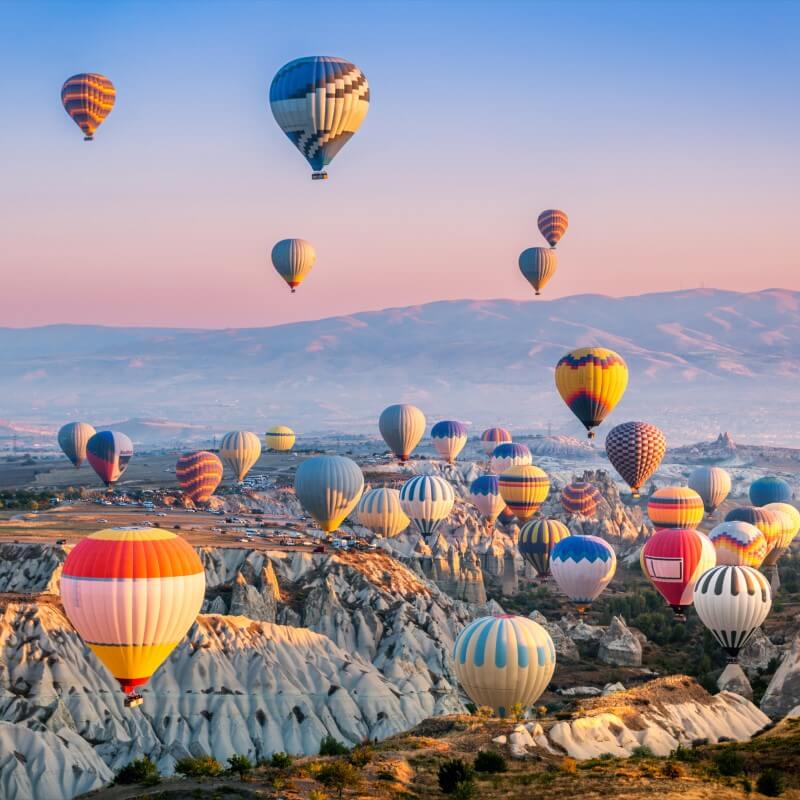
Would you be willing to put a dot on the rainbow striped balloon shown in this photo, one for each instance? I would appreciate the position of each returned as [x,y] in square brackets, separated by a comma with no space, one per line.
[769,522]
[591,381]
[553,225]
[504,660]
[675,507]
[132,593]
[492,437]
[537,539]
[739,544]
[88,99]
[524,488]
[199,474]
[581,498]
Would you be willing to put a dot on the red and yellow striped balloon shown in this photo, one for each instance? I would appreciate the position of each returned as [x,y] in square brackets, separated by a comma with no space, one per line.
[675,507]
[132,593]
[581,498]
[524,487]
[199,474]
[553,225]
[88,98]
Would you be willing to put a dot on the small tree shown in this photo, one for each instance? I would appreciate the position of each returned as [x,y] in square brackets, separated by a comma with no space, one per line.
[143,770]
[280,760]
[240,765]
[337,776]
[490,761]
[330,746]
[200,767]
[452,773]
[771,783]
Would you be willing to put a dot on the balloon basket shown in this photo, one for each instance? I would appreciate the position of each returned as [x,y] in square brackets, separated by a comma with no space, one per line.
[319,176]
[133,700]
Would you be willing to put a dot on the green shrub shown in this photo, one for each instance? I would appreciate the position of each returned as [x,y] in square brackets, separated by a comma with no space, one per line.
[330,746]
[280,760]
[143,770]
[729,763]
[643,751]
[361,756]
[464,791]
[200,767]
[685,754]
[490,761]
[771,783]
[337,776]
[240,765]
[452,773]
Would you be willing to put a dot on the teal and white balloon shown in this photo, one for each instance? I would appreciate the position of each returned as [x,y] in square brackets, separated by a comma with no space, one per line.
[329,488]
[504,660]
[381,512]
[427,500]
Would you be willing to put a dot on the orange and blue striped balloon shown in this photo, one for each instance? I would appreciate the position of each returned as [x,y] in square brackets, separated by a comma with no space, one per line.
[524,487]
[199,474]
[88,98]
[675,507]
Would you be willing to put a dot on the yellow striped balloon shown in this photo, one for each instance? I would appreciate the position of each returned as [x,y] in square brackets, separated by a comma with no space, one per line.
[538,265]
[293,260]
[537,538]
[240,450]
[280,438]
[675,507]
[88,98]
[553,225]
[132,593]
[591,381]
[380,511]
[524,488]
[789,525]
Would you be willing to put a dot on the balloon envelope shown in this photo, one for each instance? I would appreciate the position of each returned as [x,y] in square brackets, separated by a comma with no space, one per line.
[509,454]
[280,438]
[732,602]
[73,438]
[538,265]
[583,566]
[240,450]
[553,225]
[293,260]
[768,521]
[199,474]
[427,500]
[524,488]
[675,507]
[713,484]
[381,512]
[319,102]
[132,593]
[484,494]
[88,99]
[591,381]
[402,426]
[449,438]
[635,450]
[537,539]
[738,544]
[673,559]
[329,487]
[504,660]
[109,453]
[581,498]
[492,437]
[770,489]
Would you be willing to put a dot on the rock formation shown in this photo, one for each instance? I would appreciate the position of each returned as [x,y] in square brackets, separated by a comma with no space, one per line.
[783,692]
[619,646]
[733,679]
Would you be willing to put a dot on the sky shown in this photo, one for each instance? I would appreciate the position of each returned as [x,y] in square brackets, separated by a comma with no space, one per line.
[667,131]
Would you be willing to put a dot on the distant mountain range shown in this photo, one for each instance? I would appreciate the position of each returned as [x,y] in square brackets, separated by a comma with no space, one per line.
[701,361]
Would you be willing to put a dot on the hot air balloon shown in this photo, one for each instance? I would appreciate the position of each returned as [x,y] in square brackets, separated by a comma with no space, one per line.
[538,265]
[769,522]
[484,494]
[580,497]
[635,450]
[552,225]
[492,437]
[240,450]
[132,593]
[537,539]
[402,426]
[675,507]
[381,512]
[88,98]
[732,603]
[510,454]
[293,260]
[506,516]
[280,439]
[713,484]
[524,488]
[449,438]
[199,474]
[72,439]
[504,660]
[591,381]
[793,523]
[786,533]
[109,453]
[738,544]
[319,102]
[673,559]
[583,566]
[427,500]
[770,489]
[329,487]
